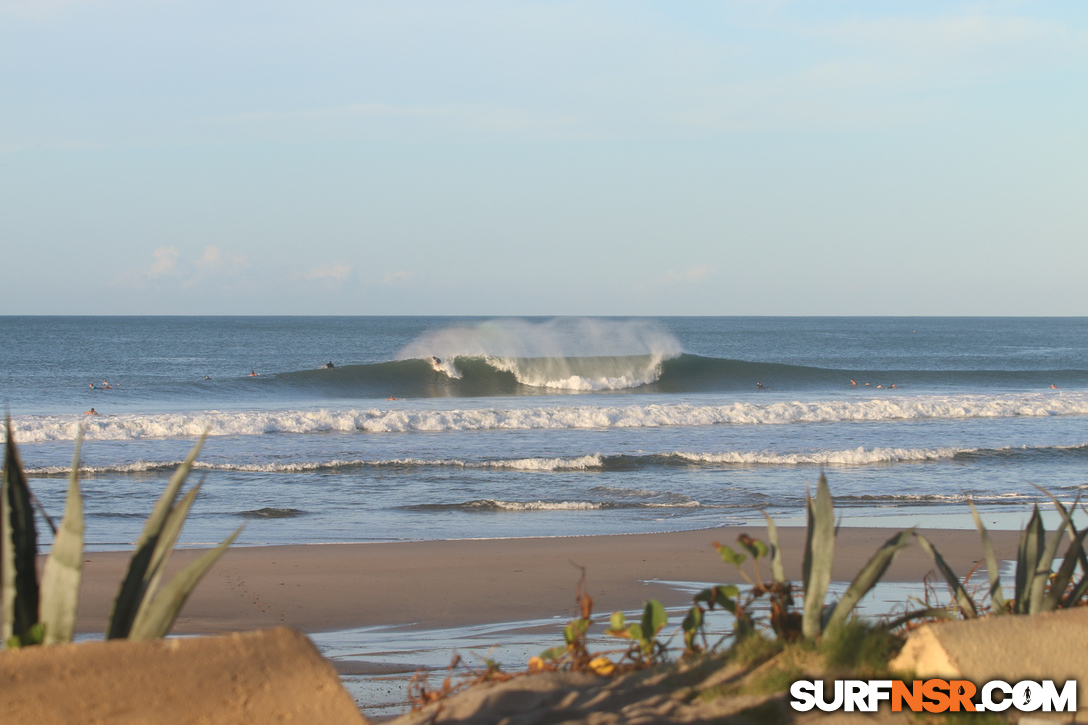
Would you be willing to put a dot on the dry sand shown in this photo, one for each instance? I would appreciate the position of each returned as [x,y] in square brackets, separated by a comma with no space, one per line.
[452,583]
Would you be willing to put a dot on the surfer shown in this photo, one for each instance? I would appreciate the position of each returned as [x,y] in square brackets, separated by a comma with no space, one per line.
[853,382]
[759,386]
[207,377]
[92,411]
[92,386]
[435,361]
[390,398]
[328,365]
[1053,386]
[253,374]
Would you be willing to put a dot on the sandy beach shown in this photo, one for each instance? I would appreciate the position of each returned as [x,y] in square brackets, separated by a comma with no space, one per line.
[433,584]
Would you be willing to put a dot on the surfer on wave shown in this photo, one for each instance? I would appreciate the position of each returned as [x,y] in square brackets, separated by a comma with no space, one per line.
[436,362]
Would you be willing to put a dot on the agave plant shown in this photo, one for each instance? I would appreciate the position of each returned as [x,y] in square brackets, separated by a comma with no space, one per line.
[144,608]
[1037,587]
[817,617]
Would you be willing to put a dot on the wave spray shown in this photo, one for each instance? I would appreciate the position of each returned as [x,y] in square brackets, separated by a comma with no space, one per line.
[564,353]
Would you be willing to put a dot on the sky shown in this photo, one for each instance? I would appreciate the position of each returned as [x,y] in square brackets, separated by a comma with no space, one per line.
[600,157]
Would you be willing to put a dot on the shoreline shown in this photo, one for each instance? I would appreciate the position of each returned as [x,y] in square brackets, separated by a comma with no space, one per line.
[450,583]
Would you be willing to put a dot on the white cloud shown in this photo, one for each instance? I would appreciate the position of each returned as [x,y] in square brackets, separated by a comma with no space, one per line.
[215,261]
[336,271]
[166,262]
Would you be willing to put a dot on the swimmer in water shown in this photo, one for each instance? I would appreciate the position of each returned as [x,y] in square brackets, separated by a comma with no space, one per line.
[92,411]
[91,385]
[1053,386]
[253,374]
[853,383]
[390,398]
[759,386]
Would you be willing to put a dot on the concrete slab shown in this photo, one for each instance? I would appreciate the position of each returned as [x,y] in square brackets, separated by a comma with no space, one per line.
[1051,646]
[271,676]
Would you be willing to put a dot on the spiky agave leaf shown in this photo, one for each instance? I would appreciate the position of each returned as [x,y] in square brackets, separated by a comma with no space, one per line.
[819,556]
[997,599]
[1032,542]
[1075,551]
[963,599]
[18,549]
[156,620]
[64,568]
[168,539]
[777,570]
[867,578]
[1053,598]
[1044,564]
[134,586]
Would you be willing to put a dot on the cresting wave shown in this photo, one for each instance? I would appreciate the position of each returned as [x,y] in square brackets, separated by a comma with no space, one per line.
[38,429]
[654,371]
[598,462]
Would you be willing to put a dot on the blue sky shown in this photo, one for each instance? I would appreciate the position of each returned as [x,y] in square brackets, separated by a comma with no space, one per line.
[543,158]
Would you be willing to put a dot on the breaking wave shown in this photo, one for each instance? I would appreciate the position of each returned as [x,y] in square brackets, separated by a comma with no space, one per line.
[38,429]
[599,462]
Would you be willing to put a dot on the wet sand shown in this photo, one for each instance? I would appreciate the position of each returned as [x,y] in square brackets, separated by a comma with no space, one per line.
[436,584]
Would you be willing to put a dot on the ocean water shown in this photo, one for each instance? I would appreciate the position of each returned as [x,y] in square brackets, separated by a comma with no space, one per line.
[542,427]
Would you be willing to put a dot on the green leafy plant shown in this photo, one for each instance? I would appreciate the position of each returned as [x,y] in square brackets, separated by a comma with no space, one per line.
[816,617]
[646,648]
[144,607]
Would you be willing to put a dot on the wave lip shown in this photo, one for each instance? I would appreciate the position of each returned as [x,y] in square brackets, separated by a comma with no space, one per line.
[581,373]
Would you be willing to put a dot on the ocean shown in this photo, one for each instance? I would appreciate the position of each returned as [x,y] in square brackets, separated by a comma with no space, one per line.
[544,427]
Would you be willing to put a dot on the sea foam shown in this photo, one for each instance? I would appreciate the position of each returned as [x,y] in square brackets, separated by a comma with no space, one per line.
[594,462]
[37,429]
